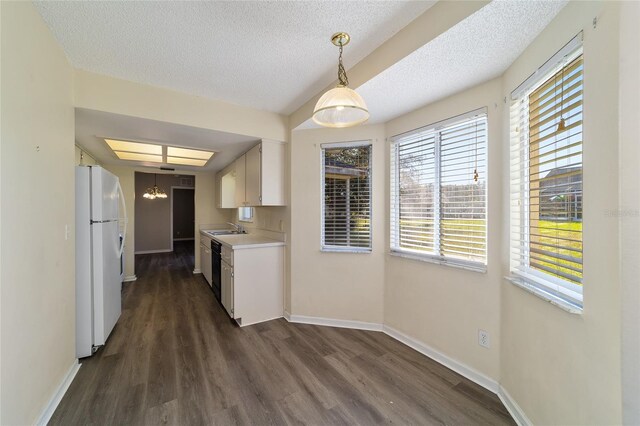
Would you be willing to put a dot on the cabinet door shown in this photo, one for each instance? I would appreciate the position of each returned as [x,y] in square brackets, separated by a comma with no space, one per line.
[272,173]
[227,288]
[208,273]
[253,176]
[240,168]
[218,190]
[202,261]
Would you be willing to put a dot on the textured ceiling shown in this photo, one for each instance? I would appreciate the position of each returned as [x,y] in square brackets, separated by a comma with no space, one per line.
[270,55]
[476,50]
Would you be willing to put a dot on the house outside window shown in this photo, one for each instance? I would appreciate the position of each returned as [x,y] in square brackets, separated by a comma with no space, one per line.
[439,192]
[546,180]
[346,197]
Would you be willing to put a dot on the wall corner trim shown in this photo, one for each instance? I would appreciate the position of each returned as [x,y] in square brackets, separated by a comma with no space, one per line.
[130,278]
[514,409]
[287,316]
[331,322]
[51,406]
[458,367]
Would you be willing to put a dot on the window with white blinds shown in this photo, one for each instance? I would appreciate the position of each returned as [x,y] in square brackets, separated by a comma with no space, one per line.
[439,191]
[346,197]
[546,180]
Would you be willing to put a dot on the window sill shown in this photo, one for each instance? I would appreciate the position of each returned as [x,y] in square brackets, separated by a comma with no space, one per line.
[345,250]
[548,297]
[439,261]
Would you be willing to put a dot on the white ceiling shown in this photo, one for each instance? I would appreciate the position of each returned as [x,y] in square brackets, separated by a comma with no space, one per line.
[93,126]
[270,55]
[476,50]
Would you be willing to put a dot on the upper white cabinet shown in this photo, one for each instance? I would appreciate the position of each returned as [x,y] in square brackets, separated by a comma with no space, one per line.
[257,178]
[226,188]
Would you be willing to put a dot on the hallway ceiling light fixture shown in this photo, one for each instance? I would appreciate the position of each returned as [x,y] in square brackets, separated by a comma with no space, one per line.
[147,152]
[340,106]
[155,192]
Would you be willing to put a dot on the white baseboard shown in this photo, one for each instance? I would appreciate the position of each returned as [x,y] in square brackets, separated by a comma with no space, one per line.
[197,271]
[51,406]
[458,367]
[513,408]
[287,316]
[130,278]
[153,251]
[330,322]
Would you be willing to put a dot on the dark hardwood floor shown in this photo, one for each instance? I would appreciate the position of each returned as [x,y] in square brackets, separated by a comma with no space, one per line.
[175,357]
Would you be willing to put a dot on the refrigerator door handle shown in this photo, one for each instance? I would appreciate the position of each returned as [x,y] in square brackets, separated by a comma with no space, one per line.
[126,219]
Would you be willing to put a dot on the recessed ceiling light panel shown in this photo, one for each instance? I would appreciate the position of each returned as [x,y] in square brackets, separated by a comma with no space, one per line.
[134,156]
[186,161]
[126,146]
[173,151]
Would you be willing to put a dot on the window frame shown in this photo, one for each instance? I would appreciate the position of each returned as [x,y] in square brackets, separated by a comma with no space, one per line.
[345,249]
[242,218]
[394,229]
[560,292]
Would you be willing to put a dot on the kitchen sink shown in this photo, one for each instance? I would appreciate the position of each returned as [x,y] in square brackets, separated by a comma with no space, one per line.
[222,232]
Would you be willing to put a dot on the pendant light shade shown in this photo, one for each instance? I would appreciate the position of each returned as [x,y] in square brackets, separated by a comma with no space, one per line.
[341,106]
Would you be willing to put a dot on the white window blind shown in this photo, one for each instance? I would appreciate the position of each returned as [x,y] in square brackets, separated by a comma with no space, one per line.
[346,197]
[546,181]
[438,205]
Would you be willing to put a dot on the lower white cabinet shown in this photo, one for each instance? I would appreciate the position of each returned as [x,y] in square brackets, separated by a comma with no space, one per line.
[205,263]
[252,284]
[226,290]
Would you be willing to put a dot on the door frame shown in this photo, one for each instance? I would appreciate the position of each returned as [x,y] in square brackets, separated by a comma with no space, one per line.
[192,188]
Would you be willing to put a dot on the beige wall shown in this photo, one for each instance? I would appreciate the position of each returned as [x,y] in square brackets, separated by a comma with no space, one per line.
[38,266]
[109,94]
[629,214]
[444,306]
[206,212]
[333,285]
[153,217]
[563,368]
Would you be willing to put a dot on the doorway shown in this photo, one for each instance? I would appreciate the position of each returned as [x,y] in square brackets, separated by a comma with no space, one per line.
[182,214]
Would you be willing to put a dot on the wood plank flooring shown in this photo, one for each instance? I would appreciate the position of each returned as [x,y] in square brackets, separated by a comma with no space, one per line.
[176,358]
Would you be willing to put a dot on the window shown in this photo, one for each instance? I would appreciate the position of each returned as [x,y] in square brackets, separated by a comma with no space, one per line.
[546,178]
[439,192]
[245,214]
[346,197]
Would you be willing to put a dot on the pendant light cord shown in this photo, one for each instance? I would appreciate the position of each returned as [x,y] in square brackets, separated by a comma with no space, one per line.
[342,74]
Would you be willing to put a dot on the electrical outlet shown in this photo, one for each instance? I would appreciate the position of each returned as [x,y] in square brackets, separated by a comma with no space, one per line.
[483,338]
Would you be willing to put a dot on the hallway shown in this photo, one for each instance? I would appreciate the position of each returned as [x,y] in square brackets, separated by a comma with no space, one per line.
[175,357]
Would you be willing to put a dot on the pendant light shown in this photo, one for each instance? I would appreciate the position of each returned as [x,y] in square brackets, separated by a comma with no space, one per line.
[340,106]
[155,192]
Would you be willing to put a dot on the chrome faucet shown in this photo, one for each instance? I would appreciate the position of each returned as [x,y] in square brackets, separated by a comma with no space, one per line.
[239,228]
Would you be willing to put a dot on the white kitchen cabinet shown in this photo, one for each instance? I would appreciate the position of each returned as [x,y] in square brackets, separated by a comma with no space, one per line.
[227,288]
[240,170]
[226,187]
[205,263]
[253,168]
[252,283]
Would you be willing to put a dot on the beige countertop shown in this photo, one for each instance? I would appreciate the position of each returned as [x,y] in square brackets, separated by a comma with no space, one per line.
[244,241]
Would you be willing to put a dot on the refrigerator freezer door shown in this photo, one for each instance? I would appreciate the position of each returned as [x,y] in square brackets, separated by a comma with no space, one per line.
[106,279]
[104,195]
[84,297]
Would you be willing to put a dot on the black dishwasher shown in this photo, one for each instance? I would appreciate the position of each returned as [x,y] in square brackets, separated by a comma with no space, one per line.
[216,268]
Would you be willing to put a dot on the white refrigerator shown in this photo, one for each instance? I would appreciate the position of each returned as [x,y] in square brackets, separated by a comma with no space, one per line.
[99,248]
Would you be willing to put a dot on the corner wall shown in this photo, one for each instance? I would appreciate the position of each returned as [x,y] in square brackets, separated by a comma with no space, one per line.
[38,201]
[562,368]
[346,286]
[442,306]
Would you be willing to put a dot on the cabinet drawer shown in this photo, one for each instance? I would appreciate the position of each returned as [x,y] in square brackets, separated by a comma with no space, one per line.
[206,241]
[227,255]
